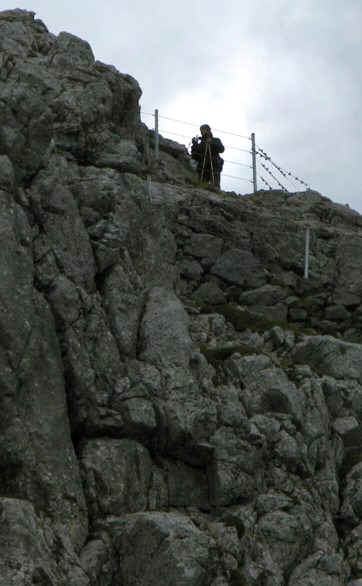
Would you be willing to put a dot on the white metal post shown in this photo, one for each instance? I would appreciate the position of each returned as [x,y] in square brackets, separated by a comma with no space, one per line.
[157,138]
[306,256]
[253,153]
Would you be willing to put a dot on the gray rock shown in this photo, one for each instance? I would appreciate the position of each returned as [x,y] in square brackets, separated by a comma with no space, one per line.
[99,561]
[69,50]
[117,476]
[33,550]
[231,411]
[123,302]
[228,543]
[7,177]
[204,246]
[34,422]
[272,501]
[302,372]
[266,388]
[240,267]
[337,313]
[277,312]
[266,295]
[347,257]
[268,426]
[191,270]
[209,293]
[16,32]
[320,568]
[139,417]
[343,425]
[326,326]
[62,225]
[121,154]
[333,394]
[343,297]
[288,452]
[187,487]
[189,417]
[107,239]
[330,356]
[65,300]
[233,471]
[277,336]
[353,544]
[165,339]
[163,548]
[93,370]
[285,536]
[352,496]
[296,314]
[352,440]
[104,350]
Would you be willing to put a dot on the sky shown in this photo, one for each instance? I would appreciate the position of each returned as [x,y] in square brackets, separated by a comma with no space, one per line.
[288,71]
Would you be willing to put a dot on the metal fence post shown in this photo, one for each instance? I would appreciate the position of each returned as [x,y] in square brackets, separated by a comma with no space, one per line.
[157,137]
[253,152]
[306,256]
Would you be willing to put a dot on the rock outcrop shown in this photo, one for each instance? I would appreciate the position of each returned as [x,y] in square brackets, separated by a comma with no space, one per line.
[179,405]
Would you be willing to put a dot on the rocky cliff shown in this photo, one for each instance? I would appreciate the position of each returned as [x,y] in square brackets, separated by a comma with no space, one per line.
[179,406]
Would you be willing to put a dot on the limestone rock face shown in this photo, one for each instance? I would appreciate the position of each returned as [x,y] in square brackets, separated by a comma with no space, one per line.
[32,552]
[178,404]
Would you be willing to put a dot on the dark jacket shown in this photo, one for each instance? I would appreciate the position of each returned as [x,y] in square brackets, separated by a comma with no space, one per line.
[199,146]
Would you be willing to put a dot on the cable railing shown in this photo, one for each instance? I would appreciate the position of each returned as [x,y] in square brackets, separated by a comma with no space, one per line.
[286,174]
[273,177]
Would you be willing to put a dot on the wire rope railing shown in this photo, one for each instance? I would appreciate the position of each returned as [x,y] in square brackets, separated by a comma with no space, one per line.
[274,172]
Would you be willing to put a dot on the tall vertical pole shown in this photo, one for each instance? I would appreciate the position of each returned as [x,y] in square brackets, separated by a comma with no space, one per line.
[157,138]
[253,152]
[306,256]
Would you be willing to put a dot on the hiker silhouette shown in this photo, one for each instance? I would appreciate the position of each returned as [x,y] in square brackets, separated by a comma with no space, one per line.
[205,151]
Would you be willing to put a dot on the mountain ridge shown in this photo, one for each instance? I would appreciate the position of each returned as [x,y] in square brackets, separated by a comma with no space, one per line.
[179,404]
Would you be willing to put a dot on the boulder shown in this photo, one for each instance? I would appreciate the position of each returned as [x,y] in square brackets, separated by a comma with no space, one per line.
[266,295]
[191,270]
[337,313]
[277,312]
[163,548]
[330,356]
[210,294]
[240,267]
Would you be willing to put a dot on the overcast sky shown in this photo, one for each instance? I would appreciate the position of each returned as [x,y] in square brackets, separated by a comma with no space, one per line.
[288,70]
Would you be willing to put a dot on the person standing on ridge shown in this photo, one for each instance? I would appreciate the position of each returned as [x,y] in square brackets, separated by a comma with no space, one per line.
[205,151]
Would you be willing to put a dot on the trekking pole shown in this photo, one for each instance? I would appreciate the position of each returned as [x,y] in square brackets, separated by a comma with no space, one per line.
[203,166]
[211,166]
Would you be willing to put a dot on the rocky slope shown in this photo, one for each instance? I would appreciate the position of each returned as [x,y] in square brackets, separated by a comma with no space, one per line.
[179,406]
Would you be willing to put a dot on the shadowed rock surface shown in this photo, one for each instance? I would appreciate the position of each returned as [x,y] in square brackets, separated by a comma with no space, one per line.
[179,406]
